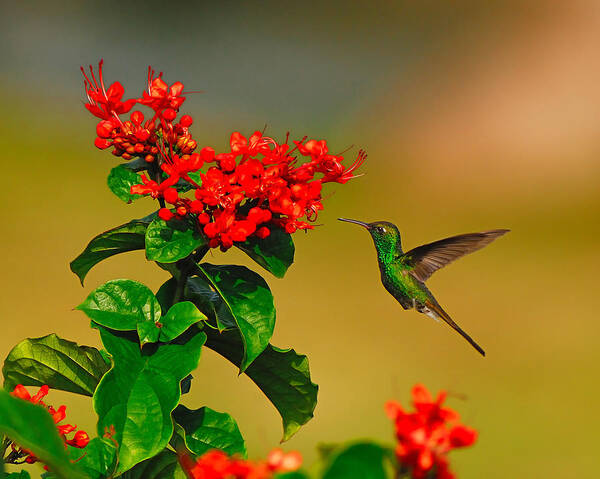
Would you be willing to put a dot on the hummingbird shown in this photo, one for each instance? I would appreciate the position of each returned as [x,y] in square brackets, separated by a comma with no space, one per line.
[404,274]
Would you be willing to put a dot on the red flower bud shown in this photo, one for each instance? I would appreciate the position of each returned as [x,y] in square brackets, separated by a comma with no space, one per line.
[165,214]
[105,128]
[186,121]
[169,114]
[171,195]
[263,232]
[207,154]
[211,230]
[181,210]
[196,207]
[137,117]
[101,143]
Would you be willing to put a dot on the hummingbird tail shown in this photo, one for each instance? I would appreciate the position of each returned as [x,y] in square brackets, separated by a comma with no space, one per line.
[437,311]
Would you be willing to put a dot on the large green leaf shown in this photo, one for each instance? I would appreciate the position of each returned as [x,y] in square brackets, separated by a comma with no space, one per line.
[127,237]
[275,253]
[127,305]
[31,427]
[250,301]
[171,241]
[199,291]
[138,394]
[363,460]
[206,429]
[282,375]
[161,466]
[124,305]
[59,363]
[120,180]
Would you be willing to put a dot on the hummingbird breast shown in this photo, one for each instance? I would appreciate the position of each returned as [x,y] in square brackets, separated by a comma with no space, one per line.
[401,285]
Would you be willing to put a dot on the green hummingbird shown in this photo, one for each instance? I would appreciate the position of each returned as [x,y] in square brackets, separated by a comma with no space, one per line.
[404,274]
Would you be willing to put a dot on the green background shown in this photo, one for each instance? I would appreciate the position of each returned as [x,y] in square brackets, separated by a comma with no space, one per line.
[475,115]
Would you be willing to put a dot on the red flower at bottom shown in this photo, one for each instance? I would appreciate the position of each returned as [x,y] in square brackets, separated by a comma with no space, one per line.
[79,440]
[427,435]
[216,464]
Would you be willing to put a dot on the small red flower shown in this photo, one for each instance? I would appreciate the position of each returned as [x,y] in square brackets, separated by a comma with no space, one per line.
[80,439]
[427,435]
[105,104]
[162,98]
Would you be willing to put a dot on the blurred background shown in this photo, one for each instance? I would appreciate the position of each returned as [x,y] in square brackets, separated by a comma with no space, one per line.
[476,115]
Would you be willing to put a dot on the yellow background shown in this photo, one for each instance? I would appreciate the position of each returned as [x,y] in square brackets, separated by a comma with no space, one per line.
[476,115]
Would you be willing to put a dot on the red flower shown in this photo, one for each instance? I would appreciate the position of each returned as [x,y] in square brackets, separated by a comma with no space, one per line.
[257,185]
[427,435]
[80,439]
[160,97]
[102,103]
[216,464]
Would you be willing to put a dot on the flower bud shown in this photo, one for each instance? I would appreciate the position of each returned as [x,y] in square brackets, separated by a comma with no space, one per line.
[169,114]
[186,121]
[208,154]
[101,143]
[170,195]
[105,128]
[137,117]
[165,214]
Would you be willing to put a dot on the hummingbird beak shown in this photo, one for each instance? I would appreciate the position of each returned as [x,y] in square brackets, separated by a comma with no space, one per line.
[348,220]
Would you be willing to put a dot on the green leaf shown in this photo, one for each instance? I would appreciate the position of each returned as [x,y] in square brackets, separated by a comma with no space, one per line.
[124,305]
[138,394]
[358,461]
[291,475]
[59,363]
[161,466]
[120,180]
[17,475]
[282,375]
[171,241]
[206,429]
[250,301]
[178,319]
[139,164]
[203,295]
[275,253]
[127,237]
[97,460]
[31,427]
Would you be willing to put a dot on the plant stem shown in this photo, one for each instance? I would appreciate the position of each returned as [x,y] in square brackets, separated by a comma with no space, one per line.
[158,179]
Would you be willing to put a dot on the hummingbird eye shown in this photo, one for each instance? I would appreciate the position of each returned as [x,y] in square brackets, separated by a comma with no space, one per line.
[380,229]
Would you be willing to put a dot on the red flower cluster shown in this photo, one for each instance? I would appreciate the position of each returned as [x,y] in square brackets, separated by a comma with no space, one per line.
[80,439]
[217,465]
[427,435]
[259,183]
[136,137]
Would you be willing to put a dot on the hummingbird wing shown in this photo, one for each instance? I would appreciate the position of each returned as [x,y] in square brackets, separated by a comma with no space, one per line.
[427,259]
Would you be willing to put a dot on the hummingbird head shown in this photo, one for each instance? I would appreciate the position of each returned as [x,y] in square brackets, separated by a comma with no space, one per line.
[385,235]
